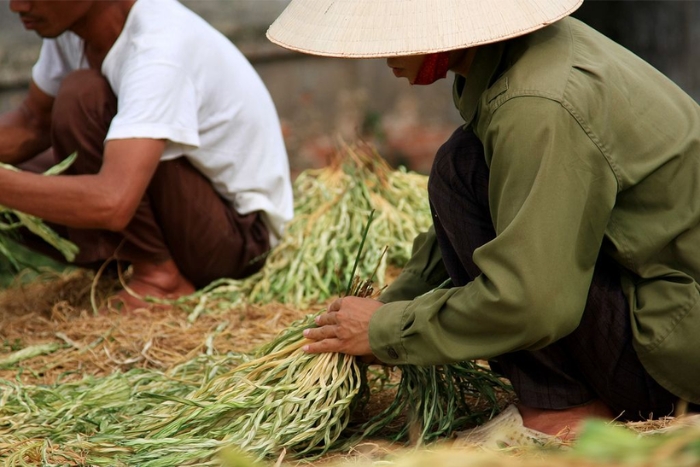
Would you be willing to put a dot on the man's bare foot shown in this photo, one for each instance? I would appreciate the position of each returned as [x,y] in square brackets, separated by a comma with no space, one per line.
[162,280]
[563,423]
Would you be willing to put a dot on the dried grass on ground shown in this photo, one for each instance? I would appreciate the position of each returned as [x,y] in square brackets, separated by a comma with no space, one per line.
[57,309]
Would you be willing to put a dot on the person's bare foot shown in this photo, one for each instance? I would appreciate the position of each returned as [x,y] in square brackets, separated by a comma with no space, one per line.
[162,280]
[563,423]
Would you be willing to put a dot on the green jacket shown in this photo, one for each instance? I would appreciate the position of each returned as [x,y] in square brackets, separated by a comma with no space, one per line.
[585,142]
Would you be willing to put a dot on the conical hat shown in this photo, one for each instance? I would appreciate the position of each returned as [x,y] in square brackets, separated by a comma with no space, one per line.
[384,28]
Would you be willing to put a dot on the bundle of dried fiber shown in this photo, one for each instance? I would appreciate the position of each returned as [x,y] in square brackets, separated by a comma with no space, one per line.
[283,399]
[79,423]
[438,401]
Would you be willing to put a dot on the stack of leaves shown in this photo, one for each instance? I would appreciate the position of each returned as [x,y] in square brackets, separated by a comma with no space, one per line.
[314,259]
[144,418]
[283,399]
[286,400]
[11,220]
[79,423]
[438,401]
[278,399]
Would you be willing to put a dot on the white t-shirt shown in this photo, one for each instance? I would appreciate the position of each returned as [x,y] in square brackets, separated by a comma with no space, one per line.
[177,78]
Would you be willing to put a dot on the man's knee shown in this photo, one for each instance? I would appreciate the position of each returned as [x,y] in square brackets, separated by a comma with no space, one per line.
[83,95]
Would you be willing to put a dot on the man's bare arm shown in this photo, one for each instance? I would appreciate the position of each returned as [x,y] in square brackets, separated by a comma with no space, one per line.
[26,130]
[106,200]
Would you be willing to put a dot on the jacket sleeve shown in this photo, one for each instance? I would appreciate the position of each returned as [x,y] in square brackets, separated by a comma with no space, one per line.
[423,272]
[551,191]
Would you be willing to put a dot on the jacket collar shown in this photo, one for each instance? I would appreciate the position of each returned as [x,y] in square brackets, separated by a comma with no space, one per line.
[467,91]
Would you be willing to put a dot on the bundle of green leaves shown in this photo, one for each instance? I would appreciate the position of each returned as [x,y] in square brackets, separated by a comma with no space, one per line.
[13,221]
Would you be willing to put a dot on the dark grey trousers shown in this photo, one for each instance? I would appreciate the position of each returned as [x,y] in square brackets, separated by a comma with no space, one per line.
[597,360]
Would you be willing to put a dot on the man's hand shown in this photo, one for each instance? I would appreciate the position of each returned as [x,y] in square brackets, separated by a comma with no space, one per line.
[344,328]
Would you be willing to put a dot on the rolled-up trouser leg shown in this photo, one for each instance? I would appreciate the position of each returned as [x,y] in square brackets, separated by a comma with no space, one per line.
[597,360]
[208,239]
[181,217]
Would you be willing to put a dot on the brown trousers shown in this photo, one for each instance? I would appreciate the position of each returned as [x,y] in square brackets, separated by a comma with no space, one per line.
[595,361]
[181,217]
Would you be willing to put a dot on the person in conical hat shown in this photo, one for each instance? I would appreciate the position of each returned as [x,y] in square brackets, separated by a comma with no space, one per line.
[566,209]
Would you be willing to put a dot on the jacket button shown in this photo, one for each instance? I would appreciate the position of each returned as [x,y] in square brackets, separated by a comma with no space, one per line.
[392,353]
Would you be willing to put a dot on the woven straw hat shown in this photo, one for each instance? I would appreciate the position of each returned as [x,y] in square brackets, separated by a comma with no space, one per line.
[384,28]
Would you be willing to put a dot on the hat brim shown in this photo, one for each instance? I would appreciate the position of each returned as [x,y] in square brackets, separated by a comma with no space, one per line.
[385,28]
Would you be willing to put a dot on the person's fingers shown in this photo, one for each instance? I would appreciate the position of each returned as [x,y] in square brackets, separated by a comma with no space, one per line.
[335,304]
[325,319]
[326,345]
[323,332]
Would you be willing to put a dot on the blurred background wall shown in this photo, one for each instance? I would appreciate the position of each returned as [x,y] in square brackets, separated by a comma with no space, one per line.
[323,100]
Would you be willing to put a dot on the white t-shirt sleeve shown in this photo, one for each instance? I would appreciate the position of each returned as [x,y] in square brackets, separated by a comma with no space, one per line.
[159,101]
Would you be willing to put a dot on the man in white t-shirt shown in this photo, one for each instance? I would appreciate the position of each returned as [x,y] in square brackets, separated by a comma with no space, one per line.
[181,170]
